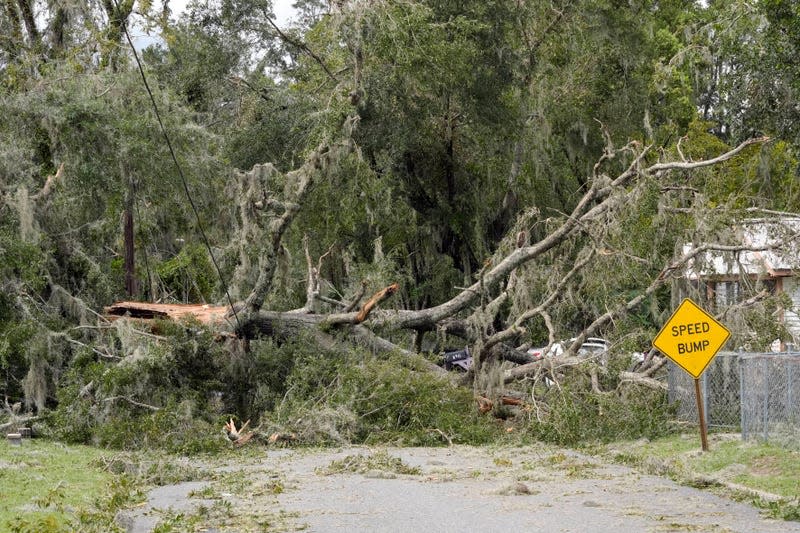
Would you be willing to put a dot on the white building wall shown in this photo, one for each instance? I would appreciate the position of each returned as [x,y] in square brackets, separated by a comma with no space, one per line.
[791,286]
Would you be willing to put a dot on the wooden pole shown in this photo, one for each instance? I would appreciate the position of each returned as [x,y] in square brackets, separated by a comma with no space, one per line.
[131,288]
[701,415]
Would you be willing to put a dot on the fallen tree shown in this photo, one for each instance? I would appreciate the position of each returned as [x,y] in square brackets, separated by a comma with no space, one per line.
[467,314]
[477,314]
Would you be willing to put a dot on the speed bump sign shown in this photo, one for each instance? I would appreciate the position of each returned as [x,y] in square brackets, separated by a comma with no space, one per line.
[691,338]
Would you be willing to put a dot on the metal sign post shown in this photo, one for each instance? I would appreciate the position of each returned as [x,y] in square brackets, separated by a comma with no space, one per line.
[691,338]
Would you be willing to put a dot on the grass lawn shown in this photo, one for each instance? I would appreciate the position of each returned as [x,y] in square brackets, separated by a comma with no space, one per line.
[51,487]
[763,472]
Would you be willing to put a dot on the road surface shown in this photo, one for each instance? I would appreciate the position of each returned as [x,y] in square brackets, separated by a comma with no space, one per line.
[457,489]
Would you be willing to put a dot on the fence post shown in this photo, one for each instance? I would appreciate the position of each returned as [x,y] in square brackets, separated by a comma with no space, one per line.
[742,403]
[765,414]
[789,391]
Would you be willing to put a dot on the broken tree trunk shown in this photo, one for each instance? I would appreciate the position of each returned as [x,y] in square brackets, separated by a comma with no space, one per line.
[205,314]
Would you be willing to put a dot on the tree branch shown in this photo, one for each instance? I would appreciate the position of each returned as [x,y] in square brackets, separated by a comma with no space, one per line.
[690,165]
[132,402]
[299,184]
[303,47]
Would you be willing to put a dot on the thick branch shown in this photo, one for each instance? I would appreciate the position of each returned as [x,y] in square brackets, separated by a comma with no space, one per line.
[377,298]
[30,21]
[299,184]
[691,165]
[50,182]
[639,379]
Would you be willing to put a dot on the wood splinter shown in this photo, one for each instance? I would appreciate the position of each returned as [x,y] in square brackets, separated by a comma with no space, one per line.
[377,298]
[485,404]
[238,436]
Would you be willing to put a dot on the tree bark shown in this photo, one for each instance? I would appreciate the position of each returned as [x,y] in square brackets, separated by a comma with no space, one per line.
[30,21]
[131,288]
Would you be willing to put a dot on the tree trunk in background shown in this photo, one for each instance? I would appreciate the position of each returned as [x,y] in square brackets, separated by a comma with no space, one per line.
[131,288]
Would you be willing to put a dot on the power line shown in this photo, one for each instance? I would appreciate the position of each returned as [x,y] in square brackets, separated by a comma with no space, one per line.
[180,170]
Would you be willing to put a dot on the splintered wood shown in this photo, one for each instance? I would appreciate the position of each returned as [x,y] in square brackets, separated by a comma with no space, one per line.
[240,436]
[485,404]
[205,314]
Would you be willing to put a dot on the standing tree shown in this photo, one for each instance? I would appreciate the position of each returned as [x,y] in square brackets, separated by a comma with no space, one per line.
[494,174]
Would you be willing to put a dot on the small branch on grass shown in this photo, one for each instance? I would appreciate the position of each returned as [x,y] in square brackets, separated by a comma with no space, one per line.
[444,436]
[239,436]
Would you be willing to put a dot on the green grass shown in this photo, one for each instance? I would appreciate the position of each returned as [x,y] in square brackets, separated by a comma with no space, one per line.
[50,487]
[757,465]
[765,473]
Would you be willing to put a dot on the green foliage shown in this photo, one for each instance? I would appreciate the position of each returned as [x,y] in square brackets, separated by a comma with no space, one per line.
[361,398]
[577,415]
[174,428]
[163,397]
[781,510]
[112,154]
[361,464]
[189,276]
[21,261]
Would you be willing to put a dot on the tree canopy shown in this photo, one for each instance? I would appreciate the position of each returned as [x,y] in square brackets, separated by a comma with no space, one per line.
[498,174]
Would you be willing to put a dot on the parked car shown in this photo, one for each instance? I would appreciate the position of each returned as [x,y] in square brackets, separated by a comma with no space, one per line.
[592,346]
[458,360]
[461,360]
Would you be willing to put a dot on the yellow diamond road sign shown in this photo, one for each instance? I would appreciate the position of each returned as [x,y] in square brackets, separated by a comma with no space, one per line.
[691,338]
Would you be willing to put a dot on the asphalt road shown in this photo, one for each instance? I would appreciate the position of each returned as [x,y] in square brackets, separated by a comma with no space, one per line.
[467,489]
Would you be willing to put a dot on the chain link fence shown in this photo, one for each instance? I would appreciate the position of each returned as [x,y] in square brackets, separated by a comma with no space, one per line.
[758,394]
[770,397]
[720,387]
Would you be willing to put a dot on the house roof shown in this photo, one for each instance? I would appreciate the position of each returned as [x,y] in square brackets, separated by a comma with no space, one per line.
[782,237]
